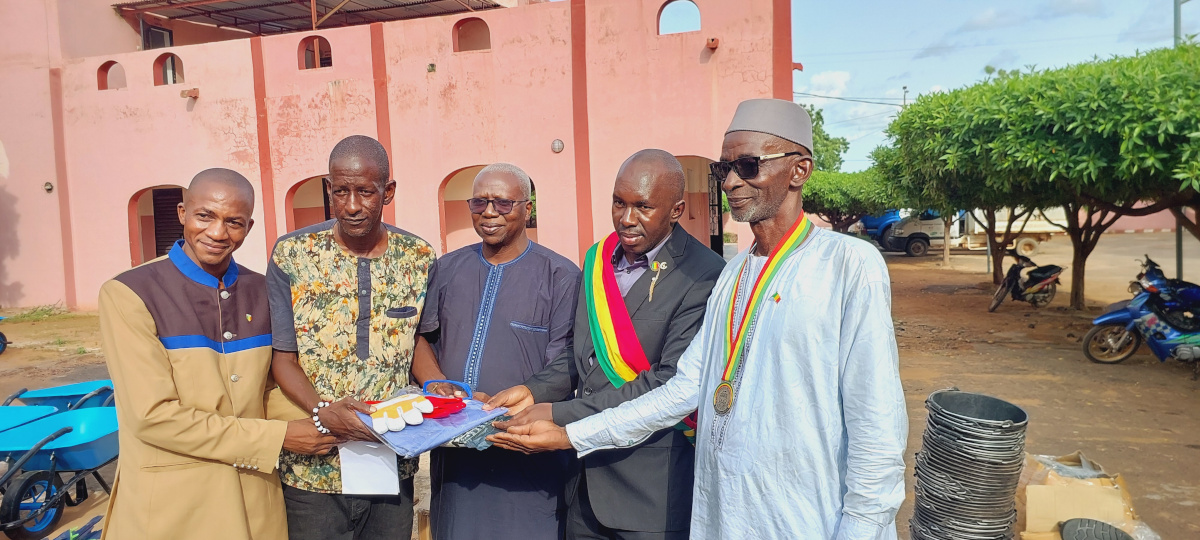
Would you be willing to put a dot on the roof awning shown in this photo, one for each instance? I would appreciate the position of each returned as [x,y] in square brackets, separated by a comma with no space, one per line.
[276,16]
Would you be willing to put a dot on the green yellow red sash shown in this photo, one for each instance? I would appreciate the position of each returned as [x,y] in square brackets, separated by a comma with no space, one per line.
[618,350]
[736,338]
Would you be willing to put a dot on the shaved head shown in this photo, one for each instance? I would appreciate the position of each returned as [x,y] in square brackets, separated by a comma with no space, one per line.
[231,181]
[664,168]
[647,200]
[216,217]
[366,149]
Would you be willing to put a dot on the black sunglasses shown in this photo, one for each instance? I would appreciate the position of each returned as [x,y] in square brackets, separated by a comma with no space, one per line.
[502,206]
[745,167]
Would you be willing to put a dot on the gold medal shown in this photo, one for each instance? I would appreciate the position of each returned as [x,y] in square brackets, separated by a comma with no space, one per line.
[723,398]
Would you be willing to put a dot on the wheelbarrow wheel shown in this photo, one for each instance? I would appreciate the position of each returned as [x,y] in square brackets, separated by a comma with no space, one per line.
[24,496]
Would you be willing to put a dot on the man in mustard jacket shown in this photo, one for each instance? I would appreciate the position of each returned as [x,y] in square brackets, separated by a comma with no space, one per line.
[187,339]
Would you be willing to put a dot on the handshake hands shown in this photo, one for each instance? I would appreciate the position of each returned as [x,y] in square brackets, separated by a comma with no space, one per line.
[531,428]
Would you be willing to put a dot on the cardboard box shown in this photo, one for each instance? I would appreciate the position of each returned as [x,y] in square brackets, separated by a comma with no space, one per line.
[1052,498]
[1047,506]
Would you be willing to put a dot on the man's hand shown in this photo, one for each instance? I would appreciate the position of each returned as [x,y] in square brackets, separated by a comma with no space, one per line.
[480,396]
[302,437]
[447,390]
[533,413]
[539,436]
[516,399]
[340,418]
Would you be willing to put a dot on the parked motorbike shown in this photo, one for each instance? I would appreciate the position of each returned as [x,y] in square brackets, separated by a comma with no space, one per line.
[1119,332]
[1175,300]
[1037,287]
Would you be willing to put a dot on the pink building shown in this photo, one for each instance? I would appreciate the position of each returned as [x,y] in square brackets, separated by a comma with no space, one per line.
[96,135]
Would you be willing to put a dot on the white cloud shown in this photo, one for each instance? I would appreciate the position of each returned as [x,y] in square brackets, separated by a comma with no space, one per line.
[830,83]
[991,19]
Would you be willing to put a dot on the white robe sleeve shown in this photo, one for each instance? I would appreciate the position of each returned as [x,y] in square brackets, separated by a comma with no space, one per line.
[636,420]
[873,406]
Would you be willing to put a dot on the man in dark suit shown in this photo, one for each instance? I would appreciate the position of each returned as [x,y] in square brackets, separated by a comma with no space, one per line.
[657,279]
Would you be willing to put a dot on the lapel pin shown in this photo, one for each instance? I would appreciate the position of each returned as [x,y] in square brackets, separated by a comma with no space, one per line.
[776,298]
[657,267]
[249,318]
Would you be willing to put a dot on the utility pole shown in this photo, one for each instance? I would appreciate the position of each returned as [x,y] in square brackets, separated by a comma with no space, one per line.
[1178,221]
[906,86]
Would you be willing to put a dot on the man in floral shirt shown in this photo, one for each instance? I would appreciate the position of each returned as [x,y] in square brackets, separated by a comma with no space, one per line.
[345,298]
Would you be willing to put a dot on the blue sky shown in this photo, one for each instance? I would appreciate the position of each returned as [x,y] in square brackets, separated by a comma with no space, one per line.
[871,49]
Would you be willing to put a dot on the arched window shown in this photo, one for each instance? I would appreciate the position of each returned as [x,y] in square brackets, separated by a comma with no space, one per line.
[153,222]
[110,76]
[472,35]
[315,52]
[678,16]
[168,69]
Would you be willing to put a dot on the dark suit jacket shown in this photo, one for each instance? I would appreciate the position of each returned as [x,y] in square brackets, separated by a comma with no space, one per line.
[647,487]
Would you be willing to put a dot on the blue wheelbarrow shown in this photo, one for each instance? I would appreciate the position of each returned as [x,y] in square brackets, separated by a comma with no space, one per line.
[46,453]
[67,397]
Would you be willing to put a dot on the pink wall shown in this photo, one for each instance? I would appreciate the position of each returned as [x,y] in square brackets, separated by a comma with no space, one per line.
[504,104]
[310,110]
[593,74]
[31,254]
[685,92]
[122,141]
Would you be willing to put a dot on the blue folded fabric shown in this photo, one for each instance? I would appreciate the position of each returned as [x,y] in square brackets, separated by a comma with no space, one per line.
[413,441]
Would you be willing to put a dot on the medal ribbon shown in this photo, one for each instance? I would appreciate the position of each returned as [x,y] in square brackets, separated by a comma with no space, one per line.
[618,349]
[736,339]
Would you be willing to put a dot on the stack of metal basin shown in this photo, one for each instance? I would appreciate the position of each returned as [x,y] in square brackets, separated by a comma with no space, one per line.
[968,468]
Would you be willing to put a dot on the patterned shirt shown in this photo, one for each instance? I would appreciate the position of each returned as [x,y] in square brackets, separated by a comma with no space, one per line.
[351,320]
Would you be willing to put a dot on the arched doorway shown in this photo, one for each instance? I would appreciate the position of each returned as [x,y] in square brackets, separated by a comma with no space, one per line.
[703,217]
[306,203]
[154,222]
[457,230]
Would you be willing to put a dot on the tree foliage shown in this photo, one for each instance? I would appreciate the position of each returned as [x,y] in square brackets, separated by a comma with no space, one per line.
[1097,138]
[844,198]
[827,150]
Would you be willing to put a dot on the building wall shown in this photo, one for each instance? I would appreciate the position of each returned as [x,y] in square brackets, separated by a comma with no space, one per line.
[508,103]
[120,142]
[31,254]
[591,74]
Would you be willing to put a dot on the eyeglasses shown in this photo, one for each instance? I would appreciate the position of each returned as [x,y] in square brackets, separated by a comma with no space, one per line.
[745,167]
[502,206]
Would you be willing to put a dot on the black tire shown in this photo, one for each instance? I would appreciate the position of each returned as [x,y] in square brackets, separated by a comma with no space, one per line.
[3,343]
[1043,299]
[998,298]
[1026,246]
[917,247]
[1098,344]
[885,239]
[30,488]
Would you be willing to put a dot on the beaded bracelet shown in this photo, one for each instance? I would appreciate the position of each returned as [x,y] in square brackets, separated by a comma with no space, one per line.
[317,418]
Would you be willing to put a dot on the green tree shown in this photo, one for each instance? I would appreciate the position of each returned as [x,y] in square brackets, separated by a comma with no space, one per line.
[827,150]
[1102,139]
[844,198]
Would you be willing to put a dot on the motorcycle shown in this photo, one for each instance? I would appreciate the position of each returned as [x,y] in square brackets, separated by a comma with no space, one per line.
[1037,287]
[1175,300]
[1119,332]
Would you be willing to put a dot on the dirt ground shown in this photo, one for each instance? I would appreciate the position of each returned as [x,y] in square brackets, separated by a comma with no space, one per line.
[1134,418]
